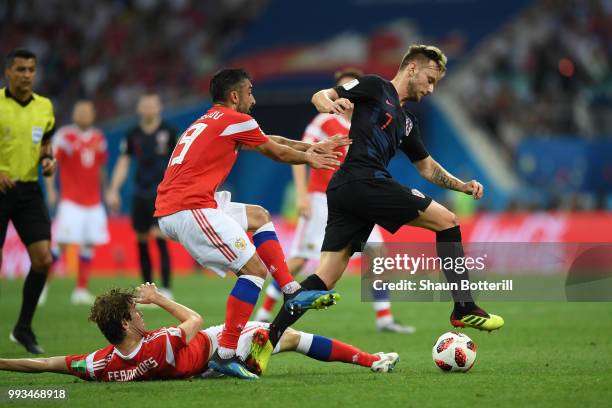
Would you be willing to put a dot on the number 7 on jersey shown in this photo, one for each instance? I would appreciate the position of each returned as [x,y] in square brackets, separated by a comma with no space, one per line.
[187,138]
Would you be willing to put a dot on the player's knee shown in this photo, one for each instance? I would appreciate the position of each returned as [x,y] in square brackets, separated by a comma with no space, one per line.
[291,338]
[255,267]
[42,261]
[446,220]
[451,220]
[258,216]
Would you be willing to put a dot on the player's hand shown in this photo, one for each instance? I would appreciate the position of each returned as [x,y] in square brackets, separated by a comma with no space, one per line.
[303,205]
[473,188]
[147,293]
[325,161]
[340,106]
[48,166]
[113,200]
[332,143]
[5,182]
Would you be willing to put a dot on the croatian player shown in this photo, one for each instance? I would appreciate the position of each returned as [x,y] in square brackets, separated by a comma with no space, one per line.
[362,192]
[312,206]
[80,150]
[135,354]
[211,227]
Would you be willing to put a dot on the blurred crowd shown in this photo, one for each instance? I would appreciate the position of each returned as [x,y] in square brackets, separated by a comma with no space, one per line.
[546,73]
[111,51]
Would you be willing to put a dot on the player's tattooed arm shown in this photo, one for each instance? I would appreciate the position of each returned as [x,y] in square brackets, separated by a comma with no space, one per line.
[431,170]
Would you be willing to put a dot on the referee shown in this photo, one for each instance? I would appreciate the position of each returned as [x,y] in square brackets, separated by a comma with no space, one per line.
[26,126]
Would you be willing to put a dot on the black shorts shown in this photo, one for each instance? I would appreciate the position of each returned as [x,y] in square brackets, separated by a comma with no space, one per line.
[355,207]
[143,209]
[25,206]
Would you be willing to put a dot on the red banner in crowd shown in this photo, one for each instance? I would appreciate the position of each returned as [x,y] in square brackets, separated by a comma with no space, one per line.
[120,256]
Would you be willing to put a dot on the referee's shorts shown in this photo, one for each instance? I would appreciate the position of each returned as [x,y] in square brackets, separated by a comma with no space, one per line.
[355,207]
[25,206]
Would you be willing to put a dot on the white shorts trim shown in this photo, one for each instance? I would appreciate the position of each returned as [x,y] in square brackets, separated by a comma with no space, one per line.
[309,233]
[79,224]
[212,237]
[235,210]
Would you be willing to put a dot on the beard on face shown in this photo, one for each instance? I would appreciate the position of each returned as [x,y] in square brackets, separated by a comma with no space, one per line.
[413,95]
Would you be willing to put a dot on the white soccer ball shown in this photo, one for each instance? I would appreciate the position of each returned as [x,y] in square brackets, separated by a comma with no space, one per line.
[454,351]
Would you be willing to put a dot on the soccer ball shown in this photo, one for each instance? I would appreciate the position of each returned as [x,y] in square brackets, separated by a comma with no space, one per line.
[454,351]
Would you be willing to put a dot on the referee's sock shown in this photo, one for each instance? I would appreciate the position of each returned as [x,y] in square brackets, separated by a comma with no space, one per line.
[448,245]
[284,319]
[32,287]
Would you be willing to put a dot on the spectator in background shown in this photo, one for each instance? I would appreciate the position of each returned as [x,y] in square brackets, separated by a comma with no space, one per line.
[103,49]
[547,73]
[81,152]
[150,143]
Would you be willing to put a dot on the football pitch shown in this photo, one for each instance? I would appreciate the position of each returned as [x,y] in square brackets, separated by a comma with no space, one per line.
[548,354]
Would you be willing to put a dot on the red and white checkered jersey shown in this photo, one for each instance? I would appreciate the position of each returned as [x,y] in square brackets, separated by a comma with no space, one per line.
[202,159]
[161,355]
[80,154]
[325,125]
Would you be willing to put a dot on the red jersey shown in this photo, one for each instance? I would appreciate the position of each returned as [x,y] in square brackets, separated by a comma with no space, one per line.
[202,159]
[161,355]
[325,125]
[81,154]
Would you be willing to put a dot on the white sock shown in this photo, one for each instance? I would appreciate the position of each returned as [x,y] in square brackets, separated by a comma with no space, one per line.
[226,353]
[291,287]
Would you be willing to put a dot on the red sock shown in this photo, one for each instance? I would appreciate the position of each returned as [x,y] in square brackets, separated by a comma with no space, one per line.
[272,255]
[83,273]
[351,354]
[268,304]
[328,349]
[240,304]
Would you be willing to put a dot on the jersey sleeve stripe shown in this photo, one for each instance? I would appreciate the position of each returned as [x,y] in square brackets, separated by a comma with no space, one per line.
[169,352]
[90,366]
[240,127]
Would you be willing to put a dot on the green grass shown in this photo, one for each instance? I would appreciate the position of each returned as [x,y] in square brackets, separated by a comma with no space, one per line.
[549,354]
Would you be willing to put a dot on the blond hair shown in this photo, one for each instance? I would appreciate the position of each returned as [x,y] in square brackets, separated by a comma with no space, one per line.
[420,52]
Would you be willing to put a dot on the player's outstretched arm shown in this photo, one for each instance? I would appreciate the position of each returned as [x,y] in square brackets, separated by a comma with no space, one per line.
[328,101]
[191,321]
[432,171]
[286,154]
[35,365]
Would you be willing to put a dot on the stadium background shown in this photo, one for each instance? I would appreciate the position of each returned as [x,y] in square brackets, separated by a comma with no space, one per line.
[525,107]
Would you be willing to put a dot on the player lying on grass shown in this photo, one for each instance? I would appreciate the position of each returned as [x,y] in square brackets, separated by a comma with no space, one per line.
[183,351]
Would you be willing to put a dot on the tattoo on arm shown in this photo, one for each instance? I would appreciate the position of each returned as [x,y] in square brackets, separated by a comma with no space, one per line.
[442,178]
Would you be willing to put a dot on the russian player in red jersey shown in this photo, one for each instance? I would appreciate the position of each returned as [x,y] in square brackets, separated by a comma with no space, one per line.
[312,206]
[211,227]
[80,150]
[183,351]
